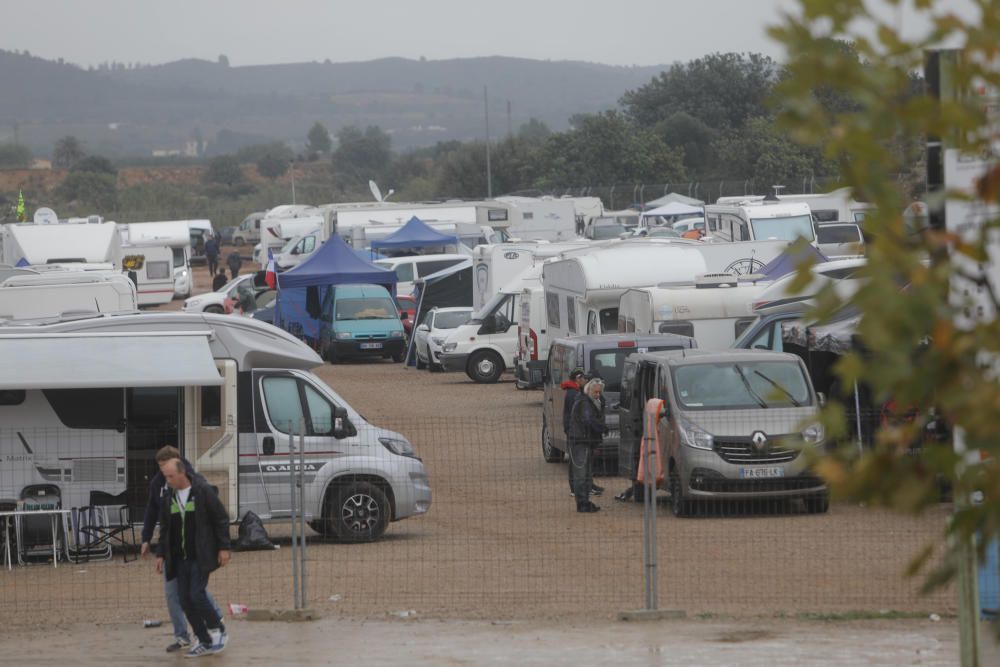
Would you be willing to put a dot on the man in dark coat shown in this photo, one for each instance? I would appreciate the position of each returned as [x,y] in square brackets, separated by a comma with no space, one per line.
[586,432]
[573,387]
[194,529]
[234,262]
[212,254]
[219,281]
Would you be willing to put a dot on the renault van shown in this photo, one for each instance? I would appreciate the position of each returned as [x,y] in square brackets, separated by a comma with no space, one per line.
[360,321]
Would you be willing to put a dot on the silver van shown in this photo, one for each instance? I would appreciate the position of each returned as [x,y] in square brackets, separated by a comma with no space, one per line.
[733,427]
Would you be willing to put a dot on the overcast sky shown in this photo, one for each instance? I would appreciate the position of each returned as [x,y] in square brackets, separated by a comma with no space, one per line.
[253,32]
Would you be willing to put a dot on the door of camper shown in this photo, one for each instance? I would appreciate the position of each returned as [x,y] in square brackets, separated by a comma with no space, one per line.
[211,438]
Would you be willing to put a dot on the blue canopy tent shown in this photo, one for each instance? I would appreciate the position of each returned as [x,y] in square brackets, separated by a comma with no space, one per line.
[301,290]
[790,260]
[414,234]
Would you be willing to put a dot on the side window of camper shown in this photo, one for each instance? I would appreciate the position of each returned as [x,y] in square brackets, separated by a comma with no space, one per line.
[179,258]
[12,396]
[570,315]
[592,322]
[742,325]
[552,308]
[281,397]
[158,270]
[677,327]
[713,223]
[88,408]
[308,244]
[211,406]
[744,232]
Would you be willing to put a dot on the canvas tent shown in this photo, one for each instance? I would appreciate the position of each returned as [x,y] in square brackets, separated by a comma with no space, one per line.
[673,209]
[671,197]
[301,290]
[447,288]
[789,261]
[413,235]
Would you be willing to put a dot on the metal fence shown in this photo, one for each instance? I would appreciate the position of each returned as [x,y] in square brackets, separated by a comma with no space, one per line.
[502,537]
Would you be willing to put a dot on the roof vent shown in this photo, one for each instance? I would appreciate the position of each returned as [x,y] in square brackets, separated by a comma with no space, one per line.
[714,280]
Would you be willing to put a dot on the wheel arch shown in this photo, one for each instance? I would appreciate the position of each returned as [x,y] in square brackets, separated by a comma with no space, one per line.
[345,479]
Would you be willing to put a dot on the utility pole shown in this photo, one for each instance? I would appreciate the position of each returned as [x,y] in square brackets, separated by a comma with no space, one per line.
[489,171]
[510,123]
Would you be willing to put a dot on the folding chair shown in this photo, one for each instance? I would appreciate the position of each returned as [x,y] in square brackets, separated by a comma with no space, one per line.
[34,533]
[6,528]
[113,523]
[82,543]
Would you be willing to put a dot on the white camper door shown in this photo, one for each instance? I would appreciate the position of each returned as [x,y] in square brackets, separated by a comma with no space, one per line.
[212,442]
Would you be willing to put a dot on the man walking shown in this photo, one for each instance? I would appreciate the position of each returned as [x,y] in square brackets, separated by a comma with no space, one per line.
[234,262]
[194,542]
[158,490]
[212,254]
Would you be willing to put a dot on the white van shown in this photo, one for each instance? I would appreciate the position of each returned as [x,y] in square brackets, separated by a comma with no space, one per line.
[61,293]
[532,339]
[298,249]
[248,230]
[835,206]
[714,310]
[229,392]
[411,268]
[753,221]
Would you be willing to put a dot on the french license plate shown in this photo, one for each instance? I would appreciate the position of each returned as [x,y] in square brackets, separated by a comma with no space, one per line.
[761,473]
[371,346]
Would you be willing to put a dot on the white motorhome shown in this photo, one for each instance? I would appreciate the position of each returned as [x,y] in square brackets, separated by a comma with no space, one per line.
[836,206]
[28,243]
[283,223]
[714,310]
[540,218]
[759,221]
[141,238]
[231,393]
[248,231]
[298,249]
[412,268]
[33,295]
[494,266]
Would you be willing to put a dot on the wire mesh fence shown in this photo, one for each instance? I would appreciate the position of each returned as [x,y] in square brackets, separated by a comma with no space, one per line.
[501,537]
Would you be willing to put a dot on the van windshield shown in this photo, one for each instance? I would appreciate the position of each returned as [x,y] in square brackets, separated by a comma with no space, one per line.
[372,308]
[741,386]
[783,229]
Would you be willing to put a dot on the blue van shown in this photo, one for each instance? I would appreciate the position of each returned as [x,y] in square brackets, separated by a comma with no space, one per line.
[360,321]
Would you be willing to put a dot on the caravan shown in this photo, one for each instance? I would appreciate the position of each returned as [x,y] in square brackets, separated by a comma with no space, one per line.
[231,393]
[154,241]
[53,294]
[753,221]
[27,243]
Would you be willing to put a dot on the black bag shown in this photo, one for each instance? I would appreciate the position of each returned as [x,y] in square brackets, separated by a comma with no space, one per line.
[252,537]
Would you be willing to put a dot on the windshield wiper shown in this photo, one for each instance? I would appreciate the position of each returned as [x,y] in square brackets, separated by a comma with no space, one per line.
[746,383]
[780,388]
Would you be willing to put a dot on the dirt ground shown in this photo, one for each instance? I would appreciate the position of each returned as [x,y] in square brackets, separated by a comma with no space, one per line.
[503,544]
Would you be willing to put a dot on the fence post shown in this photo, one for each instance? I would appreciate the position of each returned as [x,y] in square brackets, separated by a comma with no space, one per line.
[302,517]
[649,518]
[291,502]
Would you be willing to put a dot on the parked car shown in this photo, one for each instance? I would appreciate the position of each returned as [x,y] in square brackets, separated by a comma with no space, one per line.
[215,302]
[432,332]
[604,229]
[360,321]
[733,425]
[603,356]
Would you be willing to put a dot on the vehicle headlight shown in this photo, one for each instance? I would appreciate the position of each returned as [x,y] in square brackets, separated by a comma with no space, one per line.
[814,434]
[437,340]
[344,335]
[694,436]
[396,334]
[398,446]
[449,347]
[184,273]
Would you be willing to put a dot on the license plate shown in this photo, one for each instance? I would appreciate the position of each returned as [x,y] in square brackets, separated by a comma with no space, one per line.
[761,473]
[371,346]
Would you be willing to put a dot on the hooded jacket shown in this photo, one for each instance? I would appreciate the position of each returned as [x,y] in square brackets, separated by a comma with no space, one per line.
[586,424]
[211,528]
[572,393]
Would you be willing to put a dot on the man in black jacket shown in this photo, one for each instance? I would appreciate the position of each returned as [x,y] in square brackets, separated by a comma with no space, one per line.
[194,542]
[158,490]
[587,428]
[574,387]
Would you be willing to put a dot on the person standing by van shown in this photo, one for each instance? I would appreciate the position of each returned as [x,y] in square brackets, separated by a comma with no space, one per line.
[234,262]
[158,490]
[587,428]
[212,254]
[574,388]
[194,527]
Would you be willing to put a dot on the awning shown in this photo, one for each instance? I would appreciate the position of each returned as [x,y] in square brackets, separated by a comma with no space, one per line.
[75,361]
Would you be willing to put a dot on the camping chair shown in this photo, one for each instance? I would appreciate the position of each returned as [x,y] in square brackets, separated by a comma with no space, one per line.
[83,542]
[113,522]
[6,526]
[34,533]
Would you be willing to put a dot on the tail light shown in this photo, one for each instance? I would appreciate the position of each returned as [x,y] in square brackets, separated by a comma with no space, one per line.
[520,346]
[626,343]
[533,344]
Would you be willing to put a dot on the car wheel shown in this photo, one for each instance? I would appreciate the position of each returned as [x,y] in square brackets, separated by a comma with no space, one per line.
[331,355]
[550,453]
[679,505]
[214,309]
[356,512]
[421,364]
[239,240]
[485,367]
[818,504]
[399,356]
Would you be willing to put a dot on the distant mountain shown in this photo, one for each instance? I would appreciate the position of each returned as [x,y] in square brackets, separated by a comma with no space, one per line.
[123,111]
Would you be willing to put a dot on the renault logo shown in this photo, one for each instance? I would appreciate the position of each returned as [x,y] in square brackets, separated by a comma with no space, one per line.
[759,440]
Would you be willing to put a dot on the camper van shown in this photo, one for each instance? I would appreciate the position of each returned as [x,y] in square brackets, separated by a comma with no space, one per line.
[714,310]
[52,294]
[277,232]
[753,221]
[496,265]
[231,393]
[141,237]
[27,243]
[836,206]
[532,339]
[540,218]
[248,230]
[298,249]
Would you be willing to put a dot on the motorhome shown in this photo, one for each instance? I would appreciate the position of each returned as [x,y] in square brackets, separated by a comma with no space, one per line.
[27,243]
[298,249]
[233,394]
[277,232]
[414,267]
[141,238]
[758,221]
[836,206]
[496,265]
[248,231]
[199,231]
[714,310]
[33,295]
[540,218]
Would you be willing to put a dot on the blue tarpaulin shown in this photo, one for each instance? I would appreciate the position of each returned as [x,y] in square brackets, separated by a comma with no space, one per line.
[301,290]
[790,260]
[414,234]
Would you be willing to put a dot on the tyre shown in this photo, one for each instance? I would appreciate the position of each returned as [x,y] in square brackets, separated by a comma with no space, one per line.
[239,240]
[356,512]
[421,364]
[549,453]
[680,506]
[214,309]
[818,504]
[399,356]
[330,354]
[485,367]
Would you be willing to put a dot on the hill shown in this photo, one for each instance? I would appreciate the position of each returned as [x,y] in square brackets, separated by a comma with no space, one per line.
[130,111]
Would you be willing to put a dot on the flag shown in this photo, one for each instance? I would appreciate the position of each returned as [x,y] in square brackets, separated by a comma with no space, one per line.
[269,276]
[20,207]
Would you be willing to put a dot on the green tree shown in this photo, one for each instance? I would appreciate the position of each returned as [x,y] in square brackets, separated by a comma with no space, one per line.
[226,175]
[97,164]
[914,352]
[534,131]
[318,139]
[768,155]
[361,156]
[15,156]
[89,191]
[272,166]
[68,151]
[683,131]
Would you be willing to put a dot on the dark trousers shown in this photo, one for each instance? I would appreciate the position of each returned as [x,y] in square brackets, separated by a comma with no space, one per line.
[192,588]
[213,264]
[581,470]
[235,272]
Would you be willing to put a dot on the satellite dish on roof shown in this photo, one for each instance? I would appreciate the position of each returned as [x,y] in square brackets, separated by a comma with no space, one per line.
[377,193]
[46,216]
